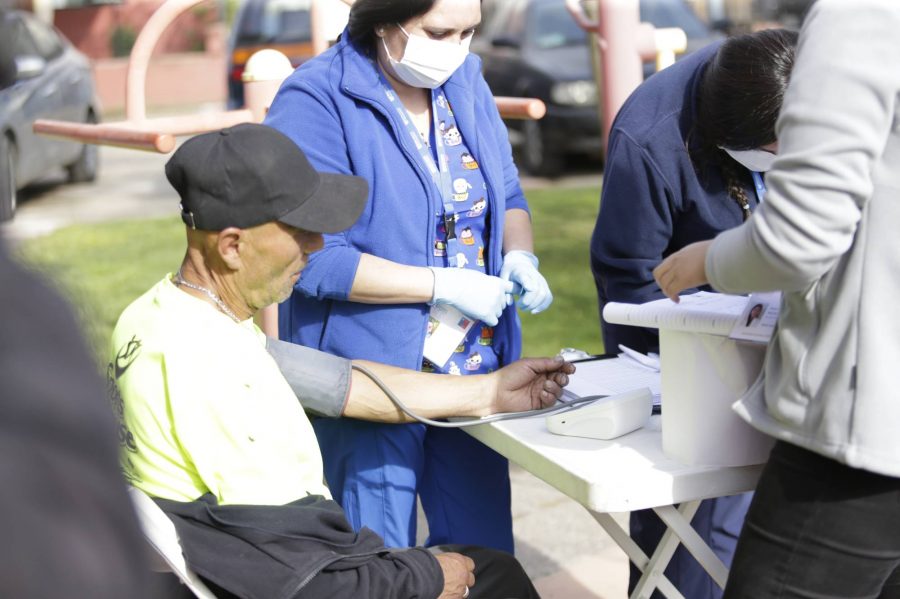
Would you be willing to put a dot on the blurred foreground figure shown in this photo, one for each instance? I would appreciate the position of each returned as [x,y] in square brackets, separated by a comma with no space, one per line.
[67,523]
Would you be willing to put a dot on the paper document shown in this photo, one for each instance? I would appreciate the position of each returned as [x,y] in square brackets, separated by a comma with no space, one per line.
[701,312]
[650,360]
[609,377]
[447,327]
[757,321]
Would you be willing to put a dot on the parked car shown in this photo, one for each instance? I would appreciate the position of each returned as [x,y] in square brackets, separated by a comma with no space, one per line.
[48,78]
[283,25]
[534,48]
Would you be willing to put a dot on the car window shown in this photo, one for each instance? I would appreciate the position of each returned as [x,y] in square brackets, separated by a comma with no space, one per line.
[46,40]
[672,13]
[553,27]
[275,21]
[14,31]
[505,19]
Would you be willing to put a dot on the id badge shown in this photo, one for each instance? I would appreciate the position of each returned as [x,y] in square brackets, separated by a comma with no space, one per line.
[447,327]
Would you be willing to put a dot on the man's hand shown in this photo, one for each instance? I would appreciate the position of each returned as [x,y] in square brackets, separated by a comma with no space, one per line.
[459,575]
[531,383]
[682,270]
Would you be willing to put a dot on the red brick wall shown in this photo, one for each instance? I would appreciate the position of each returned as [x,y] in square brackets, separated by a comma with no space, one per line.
[172,80]
[175,77]
[90,28]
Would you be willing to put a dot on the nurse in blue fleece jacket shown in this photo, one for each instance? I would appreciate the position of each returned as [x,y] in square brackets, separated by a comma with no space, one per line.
[685,161]
[400,102]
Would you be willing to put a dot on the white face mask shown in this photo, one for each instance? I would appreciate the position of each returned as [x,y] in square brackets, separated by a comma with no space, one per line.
[427,63]
[759,161]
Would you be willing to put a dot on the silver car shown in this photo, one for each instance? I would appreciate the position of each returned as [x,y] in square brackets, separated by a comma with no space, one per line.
[41,77]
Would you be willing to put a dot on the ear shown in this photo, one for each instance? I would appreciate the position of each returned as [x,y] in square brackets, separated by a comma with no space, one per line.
[230,244]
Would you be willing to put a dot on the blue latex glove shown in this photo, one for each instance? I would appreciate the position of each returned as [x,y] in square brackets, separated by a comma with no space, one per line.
[475,294]
[521,268]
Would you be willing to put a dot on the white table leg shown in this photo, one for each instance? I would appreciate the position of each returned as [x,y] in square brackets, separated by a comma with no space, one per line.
[637,556]
[680,524]
[662,555]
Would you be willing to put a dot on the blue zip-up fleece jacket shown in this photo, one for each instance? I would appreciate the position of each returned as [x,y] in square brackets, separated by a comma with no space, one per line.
[335,109]
[653,201]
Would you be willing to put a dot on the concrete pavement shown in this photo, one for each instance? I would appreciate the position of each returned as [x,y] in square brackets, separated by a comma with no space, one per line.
[563,549]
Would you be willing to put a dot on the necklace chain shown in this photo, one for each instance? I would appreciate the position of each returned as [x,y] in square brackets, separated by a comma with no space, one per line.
[179,280]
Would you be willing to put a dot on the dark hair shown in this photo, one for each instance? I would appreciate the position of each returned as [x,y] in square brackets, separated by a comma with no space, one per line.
[366,15]
[739,99]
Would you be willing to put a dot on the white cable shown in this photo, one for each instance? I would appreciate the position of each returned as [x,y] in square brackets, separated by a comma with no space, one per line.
[472,421]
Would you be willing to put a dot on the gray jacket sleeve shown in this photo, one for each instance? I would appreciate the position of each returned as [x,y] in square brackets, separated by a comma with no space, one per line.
[835,121]
[321,381]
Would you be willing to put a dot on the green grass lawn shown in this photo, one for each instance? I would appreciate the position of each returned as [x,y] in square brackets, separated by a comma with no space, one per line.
[563,222]
[102,268]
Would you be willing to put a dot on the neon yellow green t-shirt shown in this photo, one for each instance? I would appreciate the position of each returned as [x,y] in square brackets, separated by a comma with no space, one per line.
[204,408]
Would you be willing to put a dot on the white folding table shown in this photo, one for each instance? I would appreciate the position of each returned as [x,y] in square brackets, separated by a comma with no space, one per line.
[622,475]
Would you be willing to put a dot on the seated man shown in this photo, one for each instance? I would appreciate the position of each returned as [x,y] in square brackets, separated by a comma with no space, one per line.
[213,429]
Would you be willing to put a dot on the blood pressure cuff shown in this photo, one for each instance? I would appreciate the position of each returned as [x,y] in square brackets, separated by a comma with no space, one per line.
[320,381]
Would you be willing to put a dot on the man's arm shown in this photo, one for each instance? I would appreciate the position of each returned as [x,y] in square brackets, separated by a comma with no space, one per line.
[527,384]
[326,386]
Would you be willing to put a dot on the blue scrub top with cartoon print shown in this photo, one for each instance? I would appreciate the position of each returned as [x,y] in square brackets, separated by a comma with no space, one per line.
[475,355]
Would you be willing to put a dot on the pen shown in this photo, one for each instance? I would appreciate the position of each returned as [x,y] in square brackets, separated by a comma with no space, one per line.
[640,358]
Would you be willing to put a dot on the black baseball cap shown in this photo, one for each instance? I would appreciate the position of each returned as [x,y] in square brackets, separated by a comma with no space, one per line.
[252,174]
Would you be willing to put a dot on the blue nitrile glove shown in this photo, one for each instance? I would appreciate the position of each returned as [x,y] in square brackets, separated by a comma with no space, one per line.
[475,294]
[521,268]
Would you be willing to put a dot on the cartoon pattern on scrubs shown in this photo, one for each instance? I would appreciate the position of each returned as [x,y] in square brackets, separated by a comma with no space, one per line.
[474,355]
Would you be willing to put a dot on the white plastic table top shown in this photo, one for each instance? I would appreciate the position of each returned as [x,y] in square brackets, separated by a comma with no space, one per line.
[625,474]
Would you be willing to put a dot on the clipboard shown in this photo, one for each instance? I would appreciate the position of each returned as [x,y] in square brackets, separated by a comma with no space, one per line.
[612,376]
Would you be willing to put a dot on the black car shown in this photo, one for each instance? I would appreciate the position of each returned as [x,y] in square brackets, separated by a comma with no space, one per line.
[44,78]
[533,48]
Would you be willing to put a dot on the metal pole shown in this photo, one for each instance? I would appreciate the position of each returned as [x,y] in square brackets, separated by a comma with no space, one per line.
[620,43]
[107,134]
[168,11]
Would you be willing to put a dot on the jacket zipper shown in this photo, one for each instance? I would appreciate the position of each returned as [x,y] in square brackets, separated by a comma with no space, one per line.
[428,184]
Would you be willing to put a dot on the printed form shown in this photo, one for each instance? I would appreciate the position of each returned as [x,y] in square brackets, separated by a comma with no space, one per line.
[610,377]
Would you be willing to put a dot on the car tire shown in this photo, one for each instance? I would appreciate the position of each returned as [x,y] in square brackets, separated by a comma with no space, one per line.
[539,157]
[84,170]
[8,185]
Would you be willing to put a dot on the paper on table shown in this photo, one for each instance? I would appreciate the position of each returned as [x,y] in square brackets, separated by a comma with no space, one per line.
[701,312]
[447,327]
[757,321]
[609,377]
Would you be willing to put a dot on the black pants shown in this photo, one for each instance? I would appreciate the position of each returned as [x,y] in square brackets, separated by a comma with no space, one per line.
[818,529]
[498,575]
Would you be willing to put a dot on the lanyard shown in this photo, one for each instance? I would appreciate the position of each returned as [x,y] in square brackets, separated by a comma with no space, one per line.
[760,185]
[440,172]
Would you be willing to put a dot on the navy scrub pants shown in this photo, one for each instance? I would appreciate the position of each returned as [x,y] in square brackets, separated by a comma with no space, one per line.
[375,471]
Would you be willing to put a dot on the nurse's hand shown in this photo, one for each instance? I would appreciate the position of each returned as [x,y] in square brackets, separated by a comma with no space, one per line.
[521,268]
[682,270]
[475,294]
